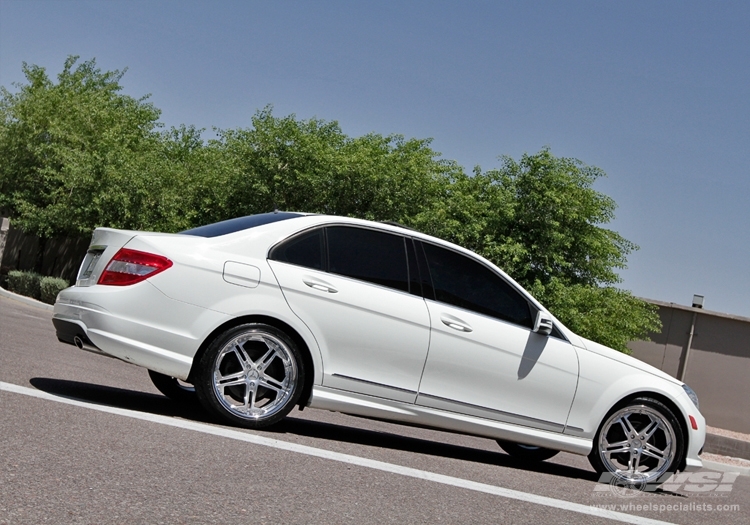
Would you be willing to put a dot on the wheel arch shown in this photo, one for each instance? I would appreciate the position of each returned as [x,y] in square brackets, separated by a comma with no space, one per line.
[670,404]
[276,323]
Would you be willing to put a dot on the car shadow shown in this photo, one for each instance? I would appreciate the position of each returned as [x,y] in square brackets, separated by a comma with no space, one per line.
[387,440]
[121,398]
[161,405]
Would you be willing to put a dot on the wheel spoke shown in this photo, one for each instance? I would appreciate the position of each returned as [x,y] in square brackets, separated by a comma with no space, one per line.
[269,382]
[616,448]
[245,359]
[249,400]
[633,461]
[232,379]
[650,429]
[650,450]
[266,360]
[233,383]
[630,431]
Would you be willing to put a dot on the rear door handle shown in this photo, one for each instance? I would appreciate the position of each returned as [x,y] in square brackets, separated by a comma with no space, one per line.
[455,323]
[317,285]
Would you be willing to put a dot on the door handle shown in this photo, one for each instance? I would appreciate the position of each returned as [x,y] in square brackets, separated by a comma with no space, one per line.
[455,323]
[320,286]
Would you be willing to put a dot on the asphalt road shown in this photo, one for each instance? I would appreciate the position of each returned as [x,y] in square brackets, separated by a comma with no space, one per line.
[87,439]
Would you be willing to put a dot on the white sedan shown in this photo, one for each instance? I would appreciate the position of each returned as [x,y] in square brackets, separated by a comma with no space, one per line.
[259,314]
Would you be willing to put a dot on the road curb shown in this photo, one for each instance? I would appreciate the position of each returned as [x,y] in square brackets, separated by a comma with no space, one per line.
[24,299]
[724,467]
[726,446]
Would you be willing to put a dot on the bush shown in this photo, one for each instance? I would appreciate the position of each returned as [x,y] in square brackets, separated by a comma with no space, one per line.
[25,283]
[50,287]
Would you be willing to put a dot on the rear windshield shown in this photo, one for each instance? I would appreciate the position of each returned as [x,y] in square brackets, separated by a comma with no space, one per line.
[240,223]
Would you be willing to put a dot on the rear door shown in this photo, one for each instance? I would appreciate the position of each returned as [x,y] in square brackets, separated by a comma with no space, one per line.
[353,288]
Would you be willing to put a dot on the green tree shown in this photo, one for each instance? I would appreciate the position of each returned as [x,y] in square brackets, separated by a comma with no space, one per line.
[311,165]
[74,152]
[540,220]
[78,153]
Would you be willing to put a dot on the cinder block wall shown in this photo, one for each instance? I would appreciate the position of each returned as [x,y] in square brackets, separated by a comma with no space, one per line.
[718,366]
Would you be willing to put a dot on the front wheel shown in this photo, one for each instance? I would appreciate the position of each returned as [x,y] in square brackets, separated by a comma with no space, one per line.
[526,452]
[251,375]
[638,443]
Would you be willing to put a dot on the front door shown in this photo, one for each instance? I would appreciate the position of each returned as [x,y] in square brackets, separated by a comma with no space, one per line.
[484,358]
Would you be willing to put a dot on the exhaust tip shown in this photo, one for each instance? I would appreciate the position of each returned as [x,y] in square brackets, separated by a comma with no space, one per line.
[78,342]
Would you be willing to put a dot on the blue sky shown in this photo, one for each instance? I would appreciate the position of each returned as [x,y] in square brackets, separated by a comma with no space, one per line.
[657,94]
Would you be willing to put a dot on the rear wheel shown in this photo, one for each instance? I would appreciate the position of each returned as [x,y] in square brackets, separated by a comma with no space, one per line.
[526,452]
[638,443]
[173,388]
[251,375]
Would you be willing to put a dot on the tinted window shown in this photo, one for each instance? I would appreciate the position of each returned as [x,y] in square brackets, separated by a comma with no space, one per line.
[466,283]
[240,223]
[305,249]
[368,255]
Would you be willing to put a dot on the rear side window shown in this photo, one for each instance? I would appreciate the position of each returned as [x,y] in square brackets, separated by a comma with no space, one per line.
[305,249]
[461,281]
[368,255]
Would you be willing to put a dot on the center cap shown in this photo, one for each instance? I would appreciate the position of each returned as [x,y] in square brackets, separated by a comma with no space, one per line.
[252,374]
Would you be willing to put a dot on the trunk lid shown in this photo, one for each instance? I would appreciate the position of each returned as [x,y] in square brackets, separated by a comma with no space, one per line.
[105,242]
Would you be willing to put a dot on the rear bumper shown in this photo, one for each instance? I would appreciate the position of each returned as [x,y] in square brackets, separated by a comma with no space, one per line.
[137,324]
[71,332]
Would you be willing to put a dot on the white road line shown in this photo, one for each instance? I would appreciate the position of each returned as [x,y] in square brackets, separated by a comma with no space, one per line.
[343,458]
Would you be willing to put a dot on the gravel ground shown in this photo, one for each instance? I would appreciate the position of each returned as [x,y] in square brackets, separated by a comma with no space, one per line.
[739,462]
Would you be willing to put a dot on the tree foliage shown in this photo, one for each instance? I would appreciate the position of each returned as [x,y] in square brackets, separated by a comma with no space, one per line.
[540,220]
[72,149]
[78,153]
[311,165]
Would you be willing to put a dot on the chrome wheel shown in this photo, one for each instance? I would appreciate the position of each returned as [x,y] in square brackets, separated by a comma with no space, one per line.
[254,374]
[639,443]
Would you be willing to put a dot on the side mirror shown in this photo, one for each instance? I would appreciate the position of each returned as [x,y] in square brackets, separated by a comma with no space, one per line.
[543,323]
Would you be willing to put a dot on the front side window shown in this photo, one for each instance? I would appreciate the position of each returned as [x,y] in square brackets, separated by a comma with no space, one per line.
[461,281]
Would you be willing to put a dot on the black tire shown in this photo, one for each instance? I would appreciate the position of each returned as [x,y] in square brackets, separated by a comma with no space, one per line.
[251,375]
[526,452]
[643,435]
[173,388]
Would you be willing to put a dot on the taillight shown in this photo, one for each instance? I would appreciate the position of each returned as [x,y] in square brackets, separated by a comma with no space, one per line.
[131,266]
